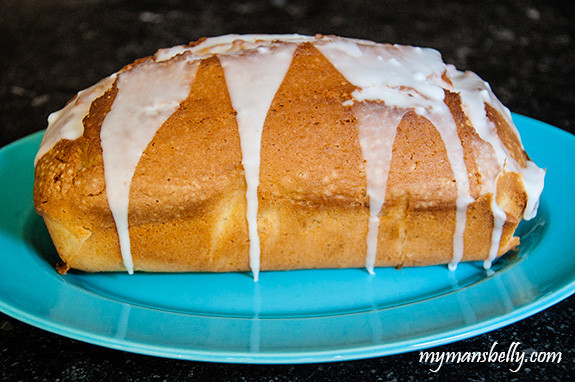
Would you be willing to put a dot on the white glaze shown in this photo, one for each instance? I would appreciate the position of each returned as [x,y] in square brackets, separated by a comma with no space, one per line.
[229,44]
[443,121]
[67,122]
[475,94]
[148,95]
[253,81]
[393,74]
[533,178]
[407,78]
[499,219]
[377,127]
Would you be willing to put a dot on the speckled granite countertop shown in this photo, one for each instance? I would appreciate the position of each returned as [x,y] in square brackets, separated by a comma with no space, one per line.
[51,49]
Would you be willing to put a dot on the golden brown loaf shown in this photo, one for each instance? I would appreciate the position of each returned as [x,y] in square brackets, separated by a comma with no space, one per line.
[283,152]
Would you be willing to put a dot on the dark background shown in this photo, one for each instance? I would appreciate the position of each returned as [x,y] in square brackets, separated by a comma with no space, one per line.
[51,49]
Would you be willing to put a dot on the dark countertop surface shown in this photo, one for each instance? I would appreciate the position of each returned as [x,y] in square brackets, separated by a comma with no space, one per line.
[51,49]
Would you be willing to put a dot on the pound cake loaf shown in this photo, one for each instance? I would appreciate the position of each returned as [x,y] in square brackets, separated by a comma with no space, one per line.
[278,152]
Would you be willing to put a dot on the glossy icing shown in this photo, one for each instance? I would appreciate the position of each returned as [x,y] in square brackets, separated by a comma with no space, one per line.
[67,122]
[148,95]
[253,81]
[377,127]
[404,78]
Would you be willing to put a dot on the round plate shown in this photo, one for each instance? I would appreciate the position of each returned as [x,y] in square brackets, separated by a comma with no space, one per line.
[294,316]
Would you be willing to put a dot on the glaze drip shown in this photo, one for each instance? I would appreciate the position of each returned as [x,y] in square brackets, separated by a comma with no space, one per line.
[67,122]
[499,218]
[406,78]
[377,128]
[148,95]
[475,95]
[253,80]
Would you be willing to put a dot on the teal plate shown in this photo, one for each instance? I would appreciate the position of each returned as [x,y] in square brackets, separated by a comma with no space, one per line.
[295,316]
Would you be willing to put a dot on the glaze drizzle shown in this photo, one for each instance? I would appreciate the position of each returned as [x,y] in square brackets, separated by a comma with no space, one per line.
[404,78]
[253,81]
[148,95]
